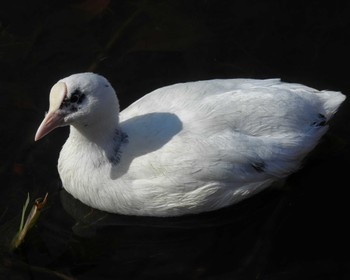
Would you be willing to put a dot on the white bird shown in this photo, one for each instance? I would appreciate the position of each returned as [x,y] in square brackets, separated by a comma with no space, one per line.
[185,148]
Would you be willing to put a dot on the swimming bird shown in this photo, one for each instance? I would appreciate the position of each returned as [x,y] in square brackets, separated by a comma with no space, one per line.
[185,148]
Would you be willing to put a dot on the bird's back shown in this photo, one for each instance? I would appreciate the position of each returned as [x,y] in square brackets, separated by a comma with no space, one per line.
[223,139]
[258,108]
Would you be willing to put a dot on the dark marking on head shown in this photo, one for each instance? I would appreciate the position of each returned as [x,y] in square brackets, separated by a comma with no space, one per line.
[77,97]
[106,85]
[72,103]
[259,166]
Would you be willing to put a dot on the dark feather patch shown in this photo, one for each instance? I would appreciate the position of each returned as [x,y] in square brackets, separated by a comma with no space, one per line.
[119,138]
[322,121]
[259,166]
[72,104]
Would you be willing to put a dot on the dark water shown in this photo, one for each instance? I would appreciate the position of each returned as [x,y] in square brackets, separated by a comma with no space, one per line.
[298,231]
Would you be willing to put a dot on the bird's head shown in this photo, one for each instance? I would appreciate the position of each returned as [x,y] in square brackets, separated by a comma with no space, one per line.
[80,100]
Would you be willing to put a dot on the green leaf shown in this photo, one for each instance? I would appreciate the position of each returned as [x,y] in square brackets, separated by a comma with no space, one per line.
[24,210]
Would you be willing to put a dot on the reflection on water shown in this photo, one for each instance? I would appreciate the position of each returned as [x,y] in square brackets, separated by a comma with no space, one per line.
[89,244]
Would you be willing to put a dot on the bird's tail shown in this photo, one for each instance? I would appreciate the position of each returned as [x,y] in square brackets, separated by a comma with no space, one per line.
[331,101]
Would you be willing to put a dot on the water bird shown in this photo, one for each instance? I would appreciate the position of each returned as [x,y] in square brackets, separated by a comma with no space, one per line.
[185,148]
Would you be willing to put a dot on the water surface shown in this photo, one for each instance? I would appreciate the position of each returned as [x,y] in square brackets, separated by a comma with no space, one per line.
[298,231]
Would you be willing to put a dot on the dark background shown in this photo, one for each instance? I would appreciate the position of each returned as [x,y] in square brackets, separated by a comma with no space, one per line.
[299,231]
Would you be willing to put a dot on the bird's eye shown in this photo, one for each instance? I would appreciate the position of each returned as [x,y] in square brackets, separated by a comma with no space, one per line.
[74,98]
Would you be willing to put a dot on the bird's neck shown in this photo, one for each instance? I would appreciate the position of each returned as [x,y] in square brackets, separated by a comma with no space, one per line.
[104,136]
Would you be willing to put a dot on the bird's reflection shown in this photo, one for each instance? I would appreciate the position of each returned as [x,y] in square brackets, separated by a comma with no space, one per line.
[187,244]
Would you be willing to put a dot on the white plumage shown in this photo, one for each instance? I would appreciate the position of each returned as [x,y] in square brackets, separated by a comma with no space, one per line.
[185,148]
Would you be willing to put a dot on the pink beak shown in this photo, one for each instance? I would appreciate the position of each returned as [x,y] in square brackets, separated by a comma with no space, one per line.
[54,118]
[51,121]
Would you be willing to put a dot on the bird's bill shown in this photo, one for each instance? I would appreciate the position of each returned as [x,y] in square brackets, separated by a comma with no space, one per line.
[51,121]
[54,117]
